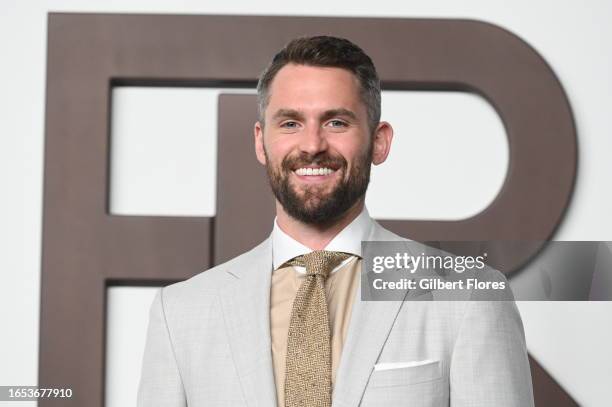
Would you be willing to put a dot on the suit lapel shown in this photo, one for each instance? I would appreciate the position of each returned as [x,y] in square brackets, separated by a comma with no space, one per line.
[246,309]
[371,322]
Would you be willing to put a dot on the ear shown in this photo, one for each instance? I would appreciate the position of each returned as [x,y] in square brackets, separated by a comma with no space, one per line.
[259,143]
[382,142]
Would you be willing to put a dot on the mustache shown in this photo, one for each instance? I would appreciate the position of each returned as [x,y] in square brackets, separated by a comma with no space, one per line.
[321,160]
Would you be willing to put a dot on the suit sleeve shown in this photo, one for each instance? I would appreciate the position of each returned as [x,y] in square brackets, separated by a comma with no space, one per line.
[160,380]
[489,366]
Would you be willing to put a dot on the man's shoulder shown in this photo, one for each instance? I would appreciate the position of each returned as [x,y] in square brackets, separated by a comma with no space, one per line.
[487,275]
[380,233]
[211,280]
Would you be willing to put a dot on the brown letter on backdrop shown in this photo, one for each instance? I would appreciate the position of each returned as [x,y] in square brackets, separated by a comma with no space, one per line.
[86,249]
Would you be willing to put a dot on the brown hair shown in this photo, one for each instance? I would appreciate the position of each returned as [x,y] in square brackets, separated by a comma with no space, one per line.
[325,51]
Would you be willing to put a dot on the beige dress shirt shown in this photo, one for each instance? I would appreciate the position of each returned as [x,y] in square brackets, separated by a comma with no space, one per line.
[340,290]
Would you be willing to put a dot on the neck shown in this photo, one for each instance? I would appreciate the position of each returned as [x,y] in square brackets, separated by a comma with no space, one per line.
[315,237]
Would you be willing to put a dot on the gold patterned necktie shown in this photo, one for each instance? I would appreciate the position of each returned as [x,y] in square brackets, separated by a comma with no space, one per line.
[308,365]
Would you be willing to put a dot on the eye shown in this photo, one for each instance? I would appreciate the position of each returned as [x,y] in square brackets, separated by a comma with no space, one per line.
[337,123]
[289,124]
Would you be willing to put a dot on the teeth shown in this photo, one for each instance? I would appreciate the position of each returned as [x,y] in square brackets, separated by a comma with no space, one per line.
[314,171]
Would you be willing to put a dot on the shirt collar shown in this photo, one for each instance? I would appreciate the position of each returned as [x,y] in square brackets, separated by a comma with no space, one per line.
[284,247]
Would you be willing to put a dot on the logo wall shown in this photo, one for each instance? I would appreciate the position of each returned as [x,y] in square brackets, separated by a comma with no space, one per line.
[86,249]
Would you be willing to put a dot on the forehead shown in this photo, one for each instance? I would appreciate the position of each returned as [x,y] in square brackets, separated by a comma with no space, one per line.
[302,87]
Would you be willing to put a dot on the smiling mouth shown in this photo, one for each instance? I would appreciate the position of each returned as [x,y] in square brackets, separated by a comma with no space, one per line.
[314,171]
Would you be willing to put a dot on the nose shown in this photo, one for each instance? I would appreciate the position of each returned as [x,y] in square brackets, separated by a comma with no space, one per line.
[313,141]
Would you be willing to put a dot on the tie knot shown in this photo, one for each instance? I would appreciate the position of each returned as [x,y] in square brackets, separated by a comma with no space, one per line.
[319,262]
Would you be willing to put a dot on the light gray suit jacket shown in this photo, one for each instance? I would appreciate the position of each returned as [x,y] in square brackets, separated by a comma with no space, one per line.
[208,344]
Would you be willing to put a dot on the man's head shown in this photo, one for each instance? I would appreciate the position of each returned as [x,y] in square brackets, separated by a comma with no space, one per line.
[325,51]
[319,127]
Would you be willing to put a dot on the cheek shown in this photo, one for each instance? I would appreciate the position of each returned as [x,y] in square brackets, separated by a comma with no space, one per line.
[276,151]
[351,145]
[353,154]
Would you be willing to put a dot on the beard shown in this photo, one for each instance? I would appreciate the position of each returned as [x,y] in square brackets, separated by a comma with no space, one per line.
[314,205]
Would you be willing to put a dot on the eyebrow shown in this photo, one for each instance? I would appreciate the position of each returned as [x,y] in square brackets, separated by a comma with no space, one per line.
[328,114]
[288,114]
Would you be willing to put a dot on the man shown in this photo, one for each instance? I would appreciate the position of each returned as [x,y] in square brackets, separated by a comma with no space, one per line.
[283,324]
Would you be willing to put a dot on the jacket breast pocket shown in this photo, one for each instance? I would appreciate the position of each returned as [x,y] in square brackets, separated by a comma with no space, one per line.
[418,385]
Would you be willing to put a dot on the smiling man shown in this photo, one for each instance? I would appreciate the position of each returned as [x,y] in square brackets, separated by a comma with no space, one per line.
[283,324]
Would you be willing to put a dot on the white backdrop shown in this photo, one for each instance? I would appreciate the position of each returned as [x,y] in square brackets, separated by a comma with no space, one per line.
[575,38]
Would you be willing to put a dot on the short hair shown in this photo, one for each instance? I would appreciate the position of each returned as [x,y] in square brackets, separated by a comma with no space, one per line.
[325,51]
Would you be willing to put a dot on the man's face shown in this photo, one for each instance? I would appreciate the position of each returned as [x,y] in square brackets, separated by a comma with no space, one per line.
[316,144]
